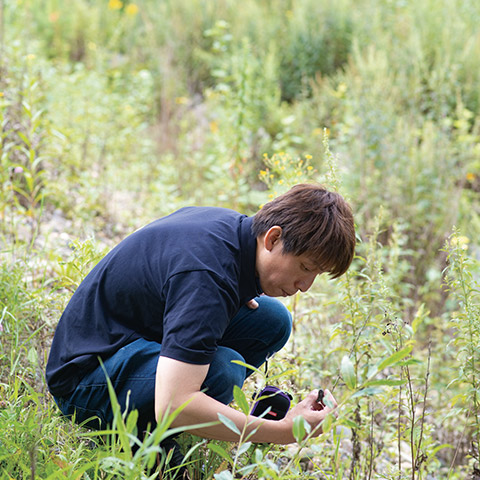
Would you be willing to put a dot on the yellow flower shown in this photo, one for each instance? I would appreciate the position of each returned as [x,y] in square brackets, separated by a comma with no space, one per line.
[308,157]
[470,176]
[342,88]
[54,16]
[1,94]
[214,127]
[461,241]
[132,9]
[180,100]
[115,4]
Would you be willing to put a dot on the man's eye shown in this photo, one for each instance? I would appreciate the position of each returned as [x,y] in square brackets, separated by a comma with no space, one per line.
[305,268]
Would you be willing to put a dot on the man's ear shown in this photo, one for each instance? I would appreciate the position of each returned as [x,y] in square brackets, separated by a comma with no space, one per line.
[272,236]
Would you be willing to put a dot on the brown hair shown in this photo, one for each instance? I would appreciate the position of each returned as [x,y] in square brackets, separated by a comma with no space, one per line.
[314,221]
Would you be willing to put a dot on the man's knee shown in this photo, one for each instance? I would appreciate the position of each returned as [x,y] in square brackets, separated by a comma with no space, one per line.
[277,319]
[224,373]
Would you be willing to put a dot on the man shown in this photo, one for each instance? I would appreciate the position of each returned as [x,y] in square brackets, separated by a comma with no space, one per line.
[173,305]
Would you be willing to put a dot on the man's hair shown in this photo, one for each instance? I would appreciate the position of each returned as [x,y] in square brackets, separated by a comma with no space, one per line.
[314,222]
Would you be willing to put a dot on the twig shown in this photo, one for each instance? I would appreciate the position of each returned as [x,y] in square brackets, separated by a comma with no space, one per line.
[458,444]
[422,417]
[370,463]
[398,429]
[412,422]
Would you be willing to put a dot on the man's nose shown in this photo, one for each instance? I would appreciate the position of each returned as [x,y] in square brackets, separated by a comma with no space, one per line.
[304,283]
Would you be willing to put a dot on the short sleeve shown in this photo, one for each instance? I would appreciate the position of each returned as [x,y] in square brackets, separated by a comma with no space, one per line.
[198,308]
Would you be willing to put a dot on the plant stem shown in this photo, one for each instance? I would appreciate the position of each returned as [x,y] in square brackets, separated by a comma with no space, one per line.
[2,29]
[412,421]
[398,429]
[422,416]
[370,463]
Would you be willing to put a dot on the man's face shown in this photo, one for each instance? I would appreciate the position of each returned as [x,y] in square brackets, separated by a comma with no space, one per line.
[282,274]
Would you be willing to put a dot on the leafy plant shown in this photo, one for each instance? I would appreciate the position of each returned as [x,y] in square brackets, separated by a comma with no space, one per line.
[461,278]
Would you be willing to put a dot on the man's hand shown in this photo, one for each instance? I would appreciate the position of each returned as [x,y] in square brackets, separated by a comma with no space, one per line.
[312,411]
[252,304]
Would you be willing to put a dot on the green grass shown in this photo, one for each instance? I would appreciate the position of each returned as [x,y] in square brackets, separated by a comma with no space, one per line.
[115,113]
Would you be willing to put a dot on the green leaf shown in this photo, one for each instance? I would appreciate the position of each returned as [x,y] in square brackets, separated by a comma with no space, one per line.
[298,430]
[241,399]
[225,475]
[249,367]
[283,373]
[24,138]
[327,423]
[220,451]
[32,356]
[384,382]
[348,372]
[395,358]
[440,447]
[258,455]
[411,361]
[244,447]
[229,423]
[348,423]
[367,391]
[247,469]
[131,423]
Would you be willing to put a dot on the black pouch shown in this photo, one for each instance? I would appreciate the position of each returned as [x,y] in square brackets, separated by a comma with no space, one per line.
[276,399]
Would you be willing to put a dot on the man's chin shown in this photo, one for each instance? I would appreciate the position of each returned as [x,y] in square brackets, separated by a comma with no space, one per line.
[275,292]
[272,293]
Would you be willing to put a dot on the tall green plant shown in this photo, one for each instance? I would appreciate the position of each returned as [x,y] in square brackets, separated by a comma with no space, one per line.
[462,280]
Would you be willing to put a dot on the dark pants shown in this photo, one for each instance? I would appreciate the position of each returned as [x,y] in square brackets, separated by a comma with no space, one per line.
[251,337]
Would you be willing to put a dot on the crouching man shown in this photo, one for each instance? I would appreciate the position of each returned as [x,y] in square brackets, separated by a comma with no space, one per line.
[172,305]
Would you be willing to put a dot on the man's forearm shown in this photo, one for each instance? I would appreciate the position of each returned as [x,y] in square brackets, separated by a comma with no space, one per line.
[204,409]
[178,385]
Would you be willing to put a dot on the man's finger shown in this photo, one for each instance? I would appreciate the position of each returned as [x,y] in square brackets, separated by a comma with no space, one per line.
[253,304]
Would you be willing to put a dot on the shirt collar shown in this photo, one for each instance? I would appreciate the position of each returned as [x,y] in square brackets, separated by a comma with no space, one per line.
[249,282]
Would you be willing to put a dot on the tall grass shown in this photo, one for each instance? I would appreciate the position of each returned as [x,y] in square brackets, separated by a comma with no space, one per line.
[113,113]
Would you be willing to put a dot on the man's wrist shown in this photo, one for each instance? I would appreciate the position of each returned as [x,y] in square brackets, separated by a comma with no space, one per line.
[282,431]
[279,432]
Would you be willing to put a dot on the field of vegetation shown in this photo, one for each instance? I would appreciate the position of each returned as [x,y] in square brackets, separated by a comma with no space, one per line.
[116,112]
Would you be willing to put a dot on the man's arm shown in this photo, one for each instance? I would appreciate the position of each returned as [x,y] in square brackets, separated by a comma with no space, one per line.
[177,382]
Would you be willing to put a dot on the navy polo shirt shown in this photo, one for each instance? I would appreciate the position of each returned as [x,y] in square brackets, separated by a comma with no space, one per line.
[177,281]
